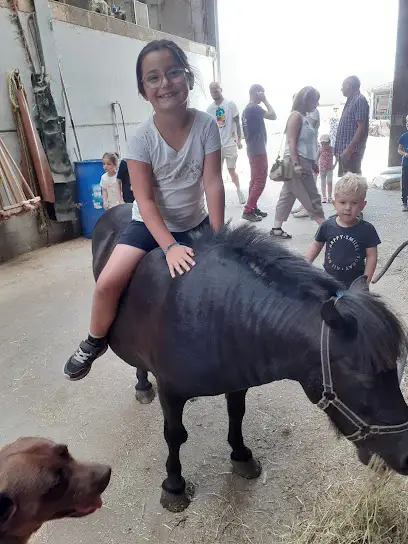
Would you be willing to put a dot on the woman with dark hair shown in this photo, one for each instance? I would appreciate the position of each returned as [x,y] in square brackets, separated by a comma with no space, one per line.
[174,161]
[123,175]
[301,150]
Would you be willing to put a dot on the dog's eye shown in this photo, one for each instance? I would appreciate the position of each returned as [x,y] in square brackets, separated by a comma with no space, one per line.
[58,479]
[58,486]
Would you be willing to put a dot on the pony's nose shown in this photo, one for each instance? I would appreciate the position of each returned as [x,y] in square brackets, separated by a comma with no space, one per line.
[404,463]
[364,455]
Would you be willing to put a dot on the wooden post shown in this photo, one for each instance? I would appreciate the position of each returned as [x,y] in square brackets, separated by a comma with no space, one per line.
[400,92]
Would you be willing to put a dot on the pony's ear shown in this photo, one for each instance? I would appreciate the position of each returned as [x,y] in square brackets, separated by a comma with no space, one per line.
[347,325]
[7,509]
[330,315]
[360,284]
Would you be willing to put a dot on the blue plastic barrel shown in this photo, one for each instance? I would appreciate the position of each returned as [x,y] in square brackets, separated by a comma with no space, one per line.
[88,176]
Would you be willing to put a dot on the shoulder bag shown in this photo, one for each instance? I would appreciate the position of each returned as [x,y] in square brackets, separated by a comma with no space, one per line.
[282,169]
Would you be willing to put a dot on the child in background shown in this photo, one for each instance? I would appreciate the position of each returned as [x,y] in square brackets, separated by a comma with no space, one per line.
[403,150]
[110,185]
[325,159]
[351,243]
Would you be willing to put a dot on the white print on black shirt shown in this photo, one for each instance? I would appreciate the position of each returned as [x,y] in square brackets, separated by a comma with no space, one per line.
[343,239]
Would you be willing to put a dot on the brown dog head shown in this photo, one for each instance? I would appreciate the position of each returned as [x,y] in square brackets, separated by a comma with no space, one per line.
[40,481]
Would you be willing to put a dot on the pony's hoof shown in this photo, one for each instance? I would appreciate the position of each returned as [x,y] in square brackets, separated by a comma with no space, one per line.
[247,469]
[145,396]
[177,502]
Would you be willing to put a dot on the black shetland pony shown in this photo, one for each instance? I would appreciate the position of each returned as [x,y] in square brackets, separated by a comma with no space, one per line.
[250,313]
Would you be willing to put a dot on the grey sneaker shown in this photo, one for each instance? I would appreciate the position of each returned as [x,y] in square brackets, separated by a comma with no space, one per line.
[80,363]
[261,214]
[404,208]
[252,217]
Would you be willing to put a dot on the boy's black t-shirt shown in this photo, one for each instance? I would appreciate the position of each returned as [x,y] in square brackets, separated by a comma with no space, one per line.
[123,175]
[346,248]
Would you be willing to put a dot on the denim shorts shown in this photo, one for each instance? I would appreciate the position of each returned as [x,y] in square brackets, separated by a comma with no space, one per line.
[136,234]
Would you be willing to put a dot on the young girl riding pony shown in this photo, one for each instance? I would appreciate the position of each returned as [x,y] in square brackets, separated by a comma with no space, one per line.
[174,159]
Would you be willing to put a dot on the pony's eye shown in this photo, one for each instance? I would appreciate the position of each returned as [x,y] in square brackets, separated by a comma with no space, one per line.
[365,410]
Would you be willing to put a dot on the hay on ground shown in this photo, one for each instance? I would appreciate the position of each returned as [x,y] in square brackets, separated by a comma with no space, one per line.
[370,509]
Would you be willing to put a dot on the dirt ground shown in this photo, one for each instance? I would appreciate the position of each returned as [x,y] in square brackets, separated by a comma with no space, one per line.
[45,300]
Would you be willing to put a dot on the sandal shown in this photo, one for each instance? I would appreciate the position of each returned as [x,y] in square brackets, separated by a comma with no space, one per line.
[280,233]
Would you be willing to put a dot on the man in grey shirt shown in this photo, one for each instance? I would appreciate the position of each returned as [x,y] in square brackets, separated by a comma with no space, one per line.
[254,128]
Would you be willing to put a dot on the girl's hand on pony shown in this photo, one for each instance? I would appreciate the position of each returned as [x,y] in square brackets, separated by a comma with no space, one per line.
[179,259]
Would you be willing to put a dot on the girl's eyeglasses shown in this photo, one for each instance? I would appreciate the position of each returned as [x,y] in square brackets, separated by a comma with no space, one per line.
[154,80]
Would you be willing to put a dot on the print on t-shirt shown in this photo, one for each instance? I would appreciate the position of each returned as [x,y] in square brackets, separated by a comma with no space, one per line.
[348,248]
[220,114]
[187,172]
[225,115]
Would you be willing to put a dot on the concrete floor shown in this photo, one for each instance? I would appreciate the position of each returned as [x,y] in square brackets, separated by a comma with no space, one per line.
[45,301]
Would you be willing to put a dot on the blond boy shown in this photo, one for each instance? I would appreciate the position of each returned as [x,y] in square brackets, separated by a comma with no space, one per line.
[351,243]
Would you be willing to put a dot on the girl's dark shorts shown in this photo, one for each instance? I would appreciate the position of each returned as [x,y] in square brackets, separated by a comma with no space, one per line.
[136,234]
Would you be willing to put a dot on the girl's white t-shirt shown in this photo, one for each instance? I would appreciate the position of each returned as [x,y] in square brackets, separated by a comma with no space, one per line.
[110,184]
[177,175]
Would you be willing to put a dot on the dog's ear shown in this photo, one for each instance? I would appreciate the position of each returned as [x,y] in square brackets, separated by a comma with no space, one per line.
[7,509]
